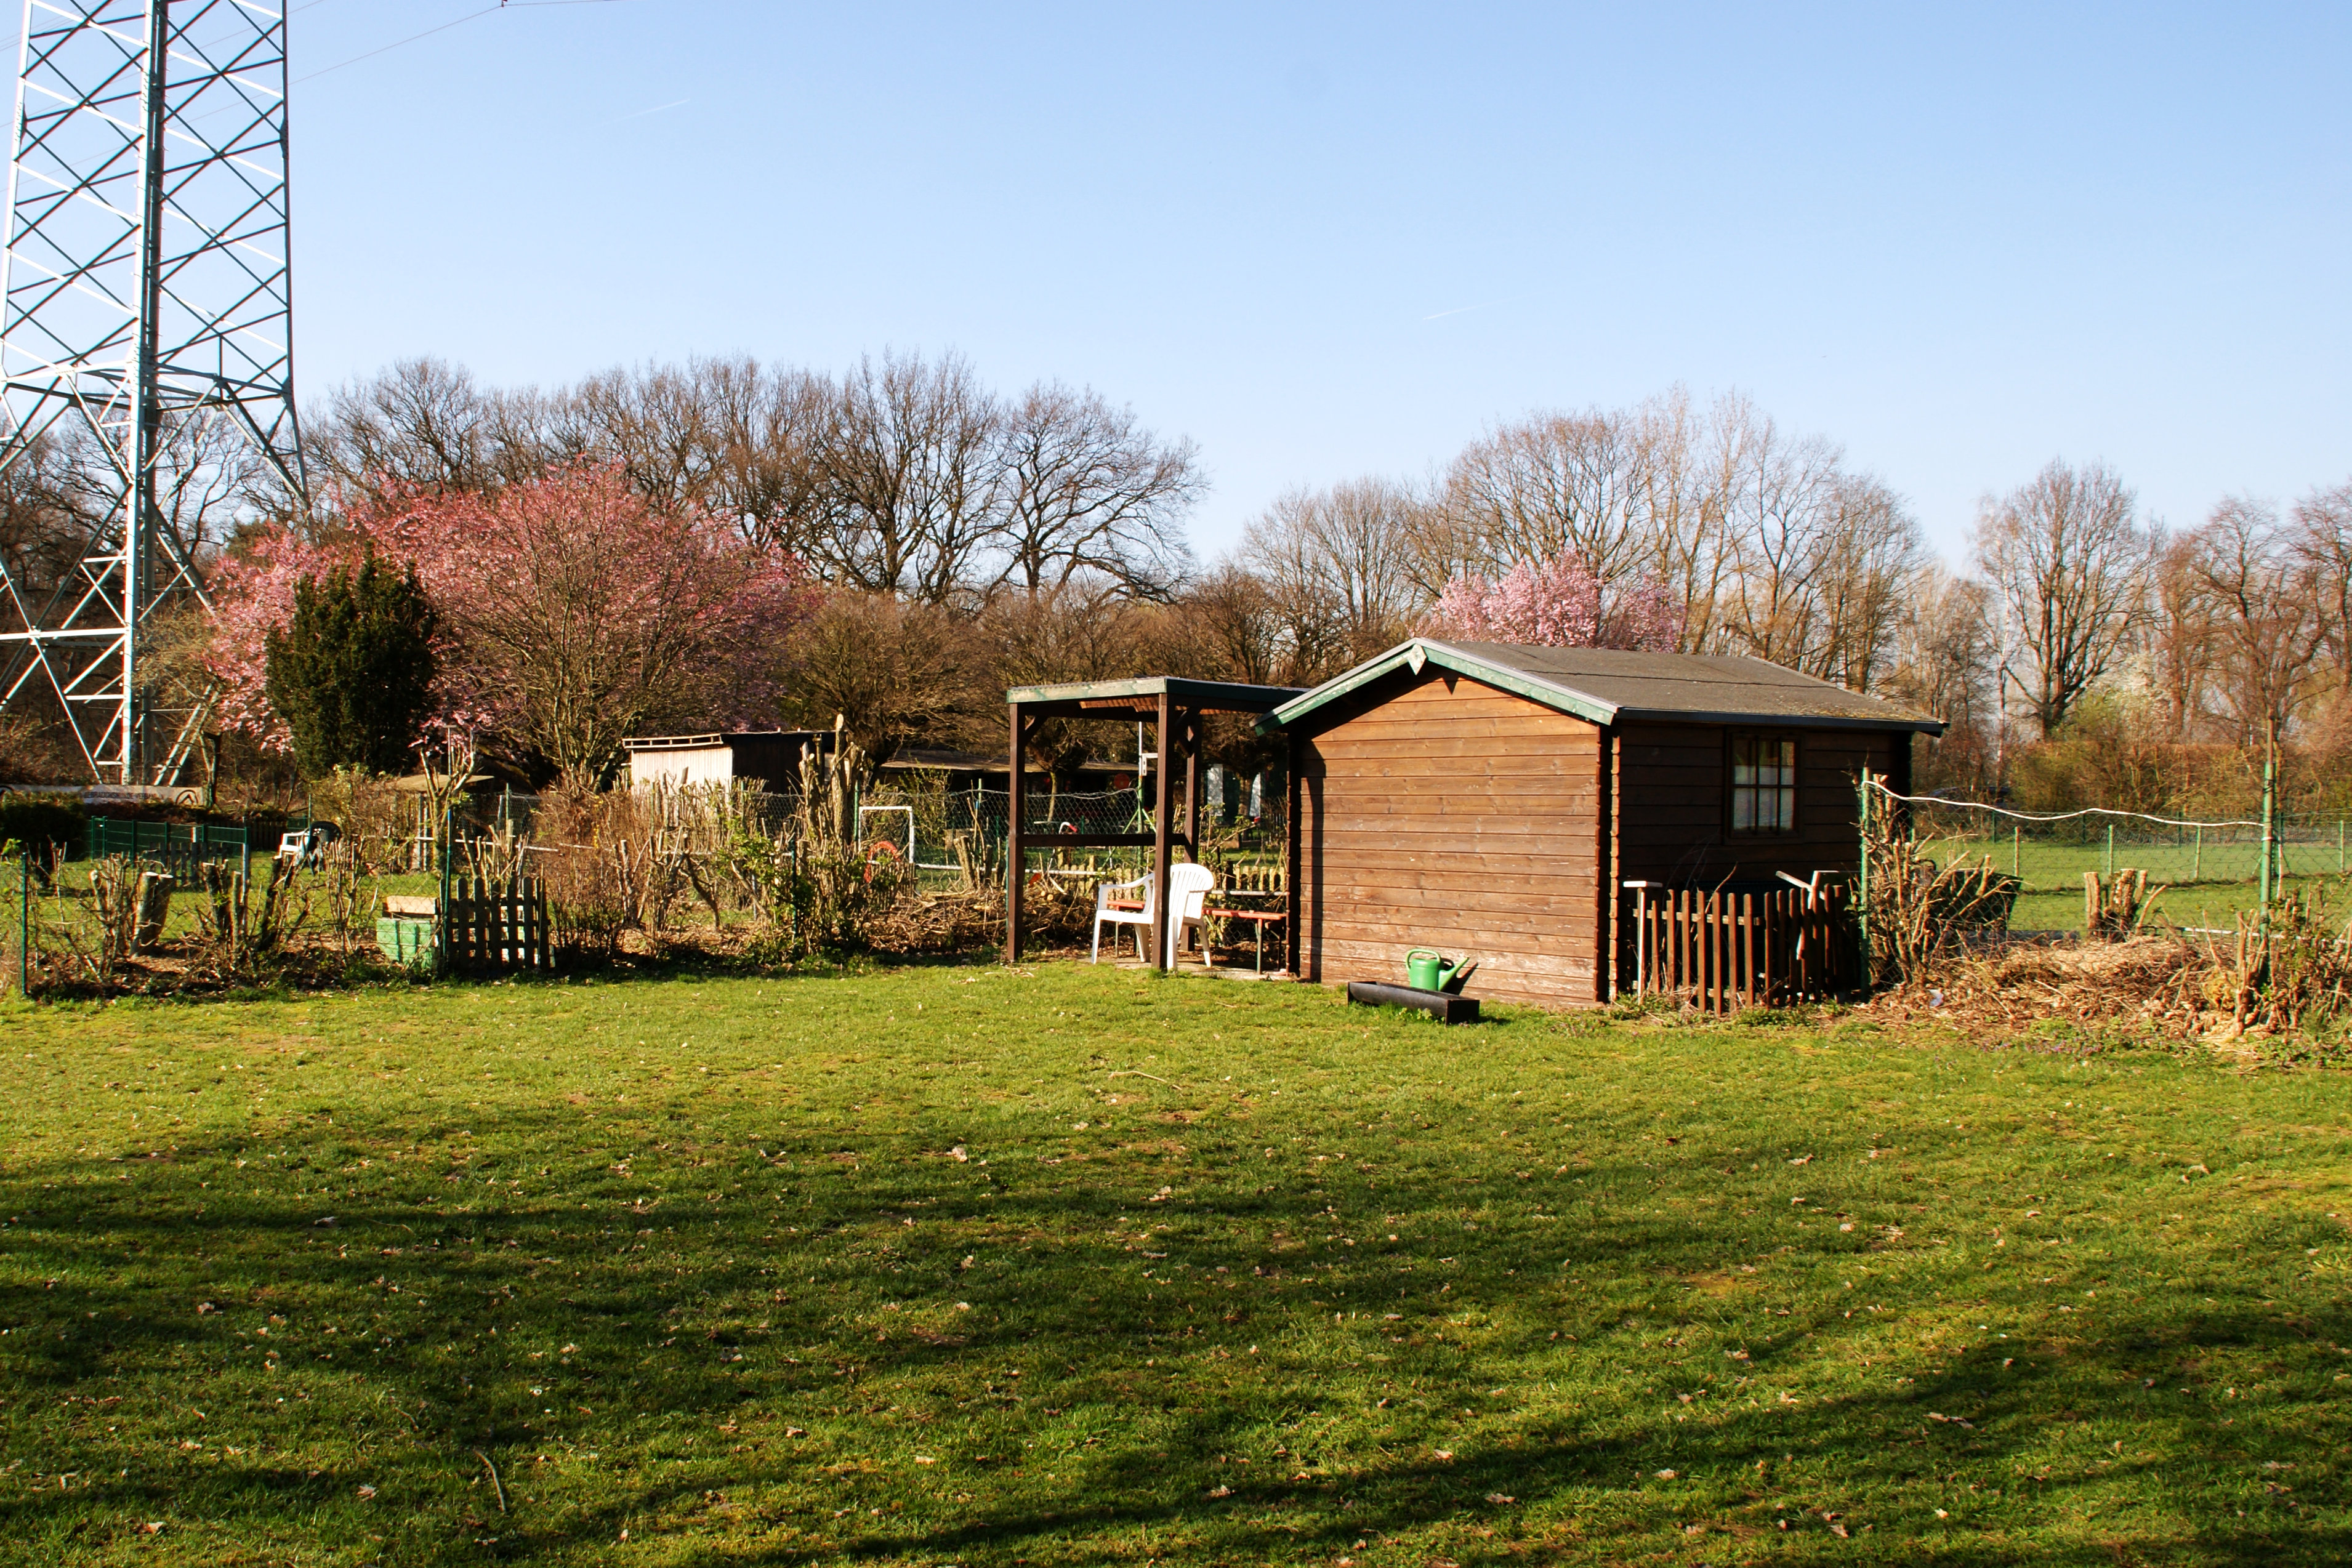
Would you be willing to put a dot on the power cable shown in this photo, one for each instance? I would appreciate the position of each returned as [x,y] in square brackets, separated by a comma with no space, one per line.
[413,38]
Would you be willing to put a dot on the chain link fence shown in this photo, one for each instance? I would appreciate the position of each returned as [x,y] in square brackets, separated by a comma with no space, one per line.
[2206,868]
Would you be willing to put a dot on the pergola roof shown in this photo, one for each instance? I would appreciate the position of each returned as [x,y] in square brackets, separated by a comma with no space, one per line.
[1142,694]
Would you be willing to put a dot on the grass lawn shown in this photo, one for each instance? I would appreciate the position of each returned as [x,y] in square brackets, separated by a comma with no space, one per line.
[2204,905]
[1073,1266]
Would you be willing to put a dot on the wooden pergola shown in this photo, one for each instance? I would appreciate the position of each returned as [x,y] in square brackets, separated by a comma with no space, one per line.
[1174,706]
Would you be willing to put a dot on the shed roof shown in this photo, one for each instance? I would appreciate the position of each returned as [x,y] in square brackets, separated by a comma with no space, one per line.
[729,738]
[1606,686]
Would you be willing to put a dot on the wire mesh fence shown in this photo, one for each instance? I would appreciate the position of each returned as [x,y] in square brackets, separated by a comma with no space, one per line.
[2050,853]
[2204,868]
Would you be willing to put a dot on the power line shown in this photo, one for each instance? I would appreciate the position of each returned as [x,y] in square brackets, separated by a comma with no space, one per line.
[387,48]
[413,38]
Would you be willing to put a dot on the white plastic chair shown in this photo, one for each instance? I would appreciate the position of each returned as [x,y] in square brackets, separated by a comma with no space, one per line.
[1106,915]
[1189,887]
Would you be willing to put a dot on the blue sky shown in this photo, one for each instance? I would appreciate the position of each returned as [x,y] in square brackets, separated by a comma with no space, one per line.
[1326,240]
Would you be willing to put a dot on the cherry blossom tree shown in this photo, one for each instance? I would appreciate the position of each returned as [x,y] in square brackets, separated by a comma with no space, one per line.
[571,611]
[1559,603]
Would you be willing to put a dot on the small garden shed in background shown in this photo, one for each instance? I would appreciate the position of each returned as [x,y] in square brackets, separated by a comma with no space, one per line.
[1491,801]
[766,759]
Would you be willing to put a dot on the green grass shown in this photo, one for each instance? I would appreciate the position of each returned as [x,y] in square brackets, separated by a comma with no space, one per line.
[2206,905]
[2205,887]
[1222,1273]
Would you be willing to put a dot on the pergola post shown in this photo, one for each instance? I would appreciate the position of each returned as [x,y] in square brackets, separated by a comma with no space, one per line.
[1161,821]
[1293,795]
[1189,724]
[1013,849]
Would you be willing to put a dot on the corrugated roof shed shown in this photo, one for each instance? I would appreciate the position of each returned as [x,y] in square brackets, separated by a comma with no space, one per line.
[1607,685]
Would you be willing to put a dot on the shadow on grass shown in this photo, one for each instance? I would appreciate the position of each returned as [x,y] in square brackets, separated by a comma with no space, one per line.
[750,1334]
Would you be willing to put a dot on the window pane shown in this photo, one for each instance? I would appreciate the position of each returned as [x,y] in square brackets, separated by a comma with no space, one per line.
[1743,810]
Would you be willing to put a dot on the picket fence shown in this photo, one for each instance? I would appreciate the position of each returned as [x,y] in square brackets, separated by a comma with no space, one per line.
[496,924]
[1722,952]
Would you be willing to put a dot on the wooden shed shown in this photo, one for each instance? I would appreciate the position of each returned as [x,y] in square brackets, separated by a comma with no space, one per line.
[767,760]
[1492,801]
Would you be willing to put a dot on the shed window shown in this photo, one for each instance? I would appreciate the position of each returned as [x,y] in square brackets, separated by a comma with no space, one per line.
[1763,784]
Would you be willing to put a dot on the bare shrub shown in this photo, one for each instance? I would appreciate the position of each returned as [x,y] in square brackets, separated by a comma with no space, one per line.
[1921,908]
[86,941]
[377,819]
[2289,972]
[839,888]
[593,871]
[342,868]
[241,928]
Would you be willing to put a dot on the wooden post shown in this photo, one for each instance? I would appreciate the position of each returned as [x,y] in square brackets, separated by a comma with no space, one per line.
[1293,939]
[1607,896]
[1012,855]
[1188,724]
[1162,822]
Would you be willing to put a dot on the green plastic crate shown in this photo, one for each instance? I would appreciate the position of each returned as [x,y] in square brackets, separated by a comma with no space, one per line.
[405,939]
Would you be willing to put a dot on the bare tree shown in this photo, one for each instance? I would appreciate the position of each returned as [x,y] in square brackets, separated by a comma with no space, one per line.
[2065,554]
[1087,628]
[1868,552]
[660,424]
[1236,628]
[892,670]
[768,425]
[1334,562]
[1944,663]
[1087,489]
[2323,538]
[910,478]
[2180,635]
[1684,514]
[422,422]
[1552,485]
[2263,600]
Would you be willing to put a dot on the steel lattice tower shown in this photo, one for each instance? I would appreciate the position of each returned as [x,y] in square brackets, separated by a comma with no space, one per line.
[145,347]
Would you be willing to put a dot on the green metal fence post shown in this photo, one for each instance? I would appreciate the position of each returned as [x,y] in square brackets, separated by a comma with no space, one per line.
[2269,831]
[24,924]
[2017,854]
[2111,849]
[2197,856]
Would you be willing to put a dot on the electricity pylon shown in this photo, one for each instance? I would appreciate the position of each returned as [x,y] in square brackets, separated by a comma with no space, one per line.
[146,364]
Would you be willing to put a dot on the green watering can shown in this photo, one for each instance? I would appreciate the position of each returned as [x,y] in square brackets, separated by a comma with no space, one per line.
[1425,971]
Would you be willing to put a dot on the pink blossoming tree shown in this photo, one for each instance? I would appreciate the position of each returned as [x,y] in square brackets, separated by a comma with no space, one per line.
[1559,603]
[573,614]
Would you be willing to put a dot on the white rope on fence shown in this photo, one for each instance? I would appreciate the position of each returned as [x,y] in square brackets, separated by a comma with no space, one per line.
[2058,817]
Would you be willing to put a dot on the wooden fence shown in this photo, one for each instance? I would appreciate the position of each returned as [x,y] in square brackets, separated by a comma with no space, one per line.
[1721,952]
[490,924]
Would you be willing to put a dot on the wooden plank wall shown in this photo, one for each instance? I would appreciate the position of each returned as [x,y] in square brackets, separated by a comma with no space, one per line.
[1673,778]
[1446,814]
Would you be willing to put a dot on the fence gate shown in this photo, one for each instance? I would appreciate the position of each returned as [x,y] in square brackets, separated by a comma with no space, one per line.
[1721,952]
[488,925]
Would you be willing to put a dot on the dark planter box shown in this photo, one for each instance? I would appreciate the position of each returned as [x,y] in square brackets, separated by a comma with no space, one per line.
[1442,1006]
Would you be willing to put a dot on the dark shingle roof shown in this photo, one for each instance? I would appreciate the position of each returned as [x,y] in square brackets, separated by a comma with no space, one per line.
[1607,685]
